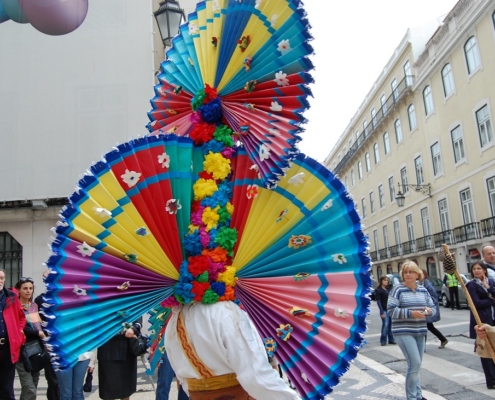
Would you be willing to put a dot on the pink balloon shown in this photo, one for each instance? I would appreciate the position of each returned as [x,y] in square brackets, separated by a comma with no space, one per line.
[55,17]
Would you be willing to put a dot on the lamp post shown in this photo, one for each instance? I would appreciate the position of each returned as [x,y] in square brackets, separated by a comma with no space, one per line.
[169,17]
[425,190]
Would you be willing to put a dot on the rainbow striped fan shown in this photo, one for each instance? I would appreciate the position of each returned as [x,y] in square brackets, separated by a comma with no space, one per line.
[217,204]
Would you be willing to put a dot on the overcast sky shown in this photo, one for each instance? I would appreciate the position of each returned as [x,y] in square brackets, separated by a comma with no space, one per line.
[353,41]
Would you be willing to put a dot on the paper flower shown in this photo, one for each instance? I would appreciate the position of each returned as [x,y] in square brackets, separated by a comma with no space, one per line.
[339,258]
[173,206]
[217,165]
[273,20]
[273,131]
[301,275]
[250,85]
[299,312]
[193,28]
[284,331]
[340,313]
[327,205]
[244,42]
[299,241]
[124,286]
[270,346]
[247,63]
[252,191]
[102,212]
[85,250]
[275,107]
[131,257]
[297,179]
[264,152]
[215,6]
[164,159]
[281,79]
[131,178]
[80,292]
[284,46]
[142,231]
[282,214]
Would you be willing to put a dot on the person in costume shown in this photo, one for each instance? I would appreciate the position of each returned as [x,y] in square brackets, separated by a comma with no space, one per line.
[12,322]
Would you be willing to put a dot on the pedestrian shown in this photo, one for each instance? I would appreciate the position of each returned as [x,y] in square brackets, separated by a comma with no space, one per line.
[164,381]
[431,319]
[450,280]
[71,380]
[12,323]
[488,253]
[409,304]
[117,365]
[482,292]
[52,391]
[381,292]
[32,330]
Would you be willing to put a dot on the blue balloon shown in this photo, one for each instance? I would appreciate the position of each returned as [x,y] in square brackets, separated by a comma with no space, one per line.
[14,11]
[3,14]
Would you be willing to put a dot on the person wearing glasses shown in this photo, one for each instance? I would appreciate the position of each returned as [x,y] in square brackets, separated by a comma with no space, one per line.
[12,322]
[32,330]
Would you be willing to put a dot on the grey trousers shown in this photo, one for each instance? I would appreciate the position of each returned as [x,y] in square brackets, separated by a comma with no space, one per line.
[29,382]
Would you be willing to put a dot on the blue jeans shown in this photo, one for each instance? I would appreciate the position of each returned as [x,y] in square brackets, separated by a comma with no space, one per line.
[164,381]
[71,381]
[413,348]
[387,330]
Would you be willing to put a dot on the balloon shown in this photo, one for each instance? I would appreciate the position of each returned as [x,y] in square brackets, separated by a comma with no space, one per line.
[3,14]
[55,17]
[13,10]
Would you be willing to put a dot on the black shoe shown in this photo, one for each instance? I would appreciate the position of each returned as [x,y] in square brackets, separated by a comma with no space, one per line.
[392,342]
[491,387]
[383,344]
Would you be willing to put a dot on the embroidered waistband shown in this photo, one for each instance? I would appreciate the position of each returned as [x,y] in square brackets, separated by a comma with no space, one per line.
[213,383]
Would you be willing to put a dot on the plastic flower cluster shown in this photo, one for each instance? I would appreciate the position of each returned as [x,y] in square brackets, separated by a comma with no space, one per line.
[207,275]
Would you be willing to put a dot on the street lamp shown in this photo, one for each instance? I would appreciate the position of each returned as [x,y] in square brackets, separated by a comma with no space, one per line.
[423,189]
[169,17]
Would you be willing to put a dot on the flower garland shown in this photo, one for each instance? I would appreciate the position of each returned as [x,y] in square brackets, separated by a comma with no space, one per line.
[207,275]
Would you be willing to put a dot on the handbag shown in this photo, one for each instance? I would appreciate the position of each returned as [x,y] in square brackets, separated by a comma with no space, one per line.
[139,345]
[34,356]
[88,383]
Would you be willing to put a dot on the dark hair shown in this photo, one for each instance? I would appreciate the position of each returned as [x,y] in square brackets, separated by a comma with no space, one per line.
[382,278]
[482,265]
[425,273]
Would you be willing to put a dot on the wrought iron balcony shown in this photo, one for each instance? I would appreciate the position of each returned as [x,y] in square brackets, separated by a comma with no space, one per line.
[446,237]
[467,232]
[488,227]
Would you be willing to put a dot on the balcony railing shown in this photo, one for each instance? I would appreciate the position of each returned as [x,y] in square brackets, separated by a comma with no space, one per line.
[446,237]
[467,232]
[397,94]
[395,251]
[487,227]
[424,243]
[409,247]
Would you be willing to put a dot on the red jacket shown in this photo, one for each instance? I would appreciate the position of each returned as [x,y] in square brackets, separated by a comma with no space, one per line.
[15,320]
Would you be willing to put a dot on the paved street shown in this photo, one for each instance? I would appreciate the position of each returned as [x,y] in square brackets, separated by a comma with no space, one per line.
[453,373]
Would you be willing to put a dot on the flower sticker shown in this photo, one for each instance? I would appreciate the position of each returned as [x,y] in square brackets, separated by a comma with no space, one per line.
[281,79]
[247,63]
[282,214]
[193,28]
[301,275]
[270,346]
[173,129]
[340,313]
[297,179]
[275,106]
[250,85]
[299,312]
[327,205]
[254,167]
[124,286]
[173,206]
[339,258]
[299,241]
[249,106]
[273,20]
[284,46]
[274,132]
[164,159]
[264,152]
[122,313]
[252,191]
[258,3]
[80,292]
[142,231]
[131,177]
[244,42]
[215,6]
[284,331]
[85,249]
[102,212]
[131,257]
[305,378]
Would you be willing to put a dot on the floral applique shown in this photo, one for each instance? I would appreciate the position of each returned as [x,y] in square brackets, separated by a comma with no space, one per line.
[252,191]
[79,291]
[85,250]
[299,241]
[284,46]
[131,178]
[275,106]
[173,206]
[339,258]
[281,79]
[164,160]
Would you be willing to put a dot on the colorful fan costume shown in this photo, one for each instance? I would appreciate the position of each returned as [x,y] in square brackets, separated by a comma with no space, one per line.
[216,207]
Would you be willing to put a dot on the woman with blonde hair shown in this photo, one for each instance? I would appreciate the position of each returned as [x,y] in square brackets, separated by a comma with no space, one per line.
[408,305]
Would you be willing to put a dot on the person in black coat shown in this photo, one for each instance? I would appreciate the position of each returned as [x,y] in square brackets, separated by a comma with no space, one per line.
[117,366]
[381,293]
[482,291]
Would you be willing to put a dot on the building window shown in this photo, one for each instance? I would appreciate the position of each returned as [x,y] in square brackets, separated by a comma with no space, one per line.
[425,221]
[484,126]
[385,236]
[491,194]
[353,178]
[407,73]
[472,54]
[398,131]
[350,144]
[346,182]
[467,206]
[418,165]
[373,117]
[389,269]
[447,80]
[411,115]
[391,188]
[372,202]
[383,102]
[397,233]
[365,128]
[378,271]
[360,170]
[381,197]
[376,152]
[368,163]
[457,144]
[410,227]
[443,211]
[363,207]
[375,239]
[436,159]
[395,91]
[386,143]
[493,19]
[403,178]
[359,139]
[428,100]
[10,258]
